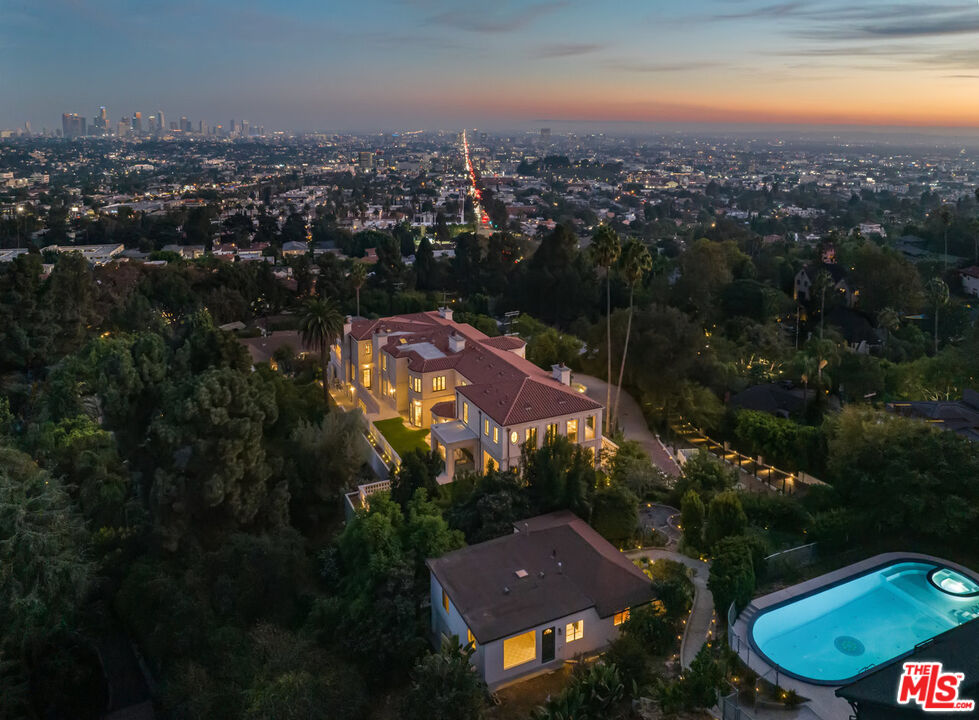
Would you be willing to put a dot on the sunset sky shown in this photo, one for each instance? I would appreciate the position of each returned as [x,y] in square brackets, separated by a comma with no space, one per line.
[389,64]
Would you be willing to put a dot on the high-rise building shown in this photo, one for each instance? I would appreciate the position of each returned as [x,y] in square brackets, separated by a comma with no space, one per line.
[365,159]
[201,127]
[72,125]
[163,122]
[122,127]
[184,124]
[137,123]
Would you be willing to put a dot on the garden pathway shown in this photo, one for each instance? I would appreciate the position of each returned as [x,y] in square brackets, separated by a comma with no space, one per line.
[701,621]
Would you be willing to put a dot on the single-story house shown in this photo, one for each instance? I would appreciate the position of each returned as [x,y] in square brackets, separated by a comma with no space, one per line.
[552,590]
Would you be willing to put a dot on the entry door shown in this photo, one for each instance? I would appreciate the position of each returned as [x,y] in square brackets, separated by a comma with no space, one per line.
[547,645]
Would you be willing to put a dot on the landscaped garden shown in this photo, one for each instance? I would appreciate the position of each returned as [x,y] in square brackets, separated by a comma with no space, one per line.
[402,438]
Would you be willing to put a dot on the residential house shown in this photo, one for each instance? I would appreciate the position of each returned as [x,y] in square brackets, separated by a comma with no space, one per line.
[529,601]
[479,396]
[806,277]
[970,280]
[294,248]
[958,416]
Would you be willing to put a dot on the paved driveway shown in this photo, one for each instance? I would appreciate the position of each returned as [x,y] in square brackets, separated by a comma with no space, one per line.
[632,422]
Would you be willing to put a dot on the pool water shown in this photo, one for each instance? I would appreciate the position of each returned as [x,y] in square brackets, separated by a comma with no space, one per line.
[834,634]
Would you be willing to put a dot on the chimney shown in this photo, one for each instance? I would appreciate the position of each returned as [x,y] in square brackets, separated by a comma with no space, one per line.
[348,325]
[456,341]
[445,313]
[561,373]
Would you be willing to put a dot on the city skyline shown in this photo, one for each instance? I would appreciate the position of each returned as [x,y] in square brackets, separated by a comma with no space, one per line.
[386,64]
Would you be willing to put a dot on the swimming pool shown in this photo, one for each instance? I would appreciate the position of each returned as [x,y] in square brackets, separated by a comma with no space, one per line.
[833,634]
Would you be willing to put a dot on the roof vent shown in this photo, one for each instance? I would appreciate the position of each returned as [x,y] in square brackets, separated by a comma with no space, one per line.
[521,574]
[540,574]
[560,566]
[506,590]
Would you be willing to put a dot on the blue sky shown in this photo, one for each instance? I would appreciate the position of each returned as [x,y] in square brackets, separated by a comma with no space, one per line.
[389,64]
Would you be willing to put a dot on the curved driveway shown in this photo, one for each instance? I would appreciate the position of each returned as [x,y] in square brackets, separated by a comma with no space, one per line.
[700,622]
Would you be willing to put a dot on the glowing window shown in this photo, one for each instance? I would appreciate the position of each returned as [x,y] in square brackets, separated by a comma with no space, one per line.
[519,649]
[384,362]
[438,383]
[574,631]
[573,430]
[465,413]
[445,601]
[368,349]
[496,434]
[470,638]
[514,437]
[530,436]
[485,427]
[620,617]
[551,432]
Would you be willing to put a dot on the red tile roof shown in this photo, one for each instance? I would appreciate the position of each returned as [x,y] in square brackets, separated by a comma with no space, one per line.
[445,409]
[508,388]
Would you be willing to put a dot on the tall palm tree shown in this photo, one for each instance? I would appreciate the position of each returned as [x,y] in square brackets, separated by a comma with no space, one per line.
[605,250]
[944,215]
[808,367]
[821,284]
[937,293]
[358,276]
[636,262]
[889,320]
[321,325]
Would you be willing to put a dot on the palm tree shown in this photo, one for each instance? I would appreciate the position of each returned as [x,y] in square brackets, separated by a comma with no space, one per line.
[937,293]
[321,325]
[605,249]
[358,276]
[889,320]
[636,262]
[822,283]
[944,215]
[808,367]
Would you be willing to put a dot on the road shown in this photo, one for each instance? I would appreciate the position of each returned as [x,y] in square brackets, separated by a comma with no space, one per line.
[632,422]
[482,219]
[662,518]
[701,620]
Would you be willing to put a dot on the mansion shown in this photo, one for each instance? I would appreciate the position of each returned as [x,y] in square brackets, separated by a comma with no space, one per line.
[479,396]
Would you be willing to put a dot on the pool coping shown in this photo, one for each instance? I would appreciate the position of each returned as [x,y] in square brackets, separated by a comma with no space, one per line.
[827,581]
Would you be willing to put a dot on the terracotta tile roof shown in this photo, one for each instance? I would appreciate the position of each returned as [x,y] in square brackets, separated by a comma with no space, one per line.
[445,409]
[505,342]
[508,388]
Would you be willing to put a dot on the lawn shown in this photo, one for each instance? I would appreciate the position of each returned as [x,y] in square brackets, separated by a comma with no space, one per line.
[402,439]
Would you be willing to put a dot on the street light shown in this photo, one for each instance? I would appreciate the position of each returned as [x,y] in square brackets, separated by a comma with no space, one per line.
[20,212]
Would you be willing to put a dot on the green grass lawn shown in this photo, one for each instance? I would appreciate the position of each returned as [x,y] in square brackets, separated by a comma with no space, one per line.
[403,439]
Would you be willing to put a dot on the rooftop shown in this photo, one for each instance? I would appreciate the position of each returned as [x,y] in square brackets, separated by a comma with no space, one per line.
[568,567]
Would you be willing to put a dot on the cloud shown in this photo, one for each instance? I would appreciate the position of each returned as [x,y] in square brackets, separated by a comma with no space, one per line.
[559,50]
[659,67]
[499,17]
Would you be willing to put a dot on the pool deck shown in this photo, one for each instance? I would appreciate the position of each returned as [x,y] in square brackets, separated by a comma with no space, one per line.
[822,698]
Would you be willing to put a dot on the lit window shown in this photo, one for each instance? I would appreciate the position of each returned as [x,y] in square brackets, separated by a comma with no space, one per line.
[530,436]
[485,427]
[514,437]
[438,383]
[573,430]
[384,362]
[620,617]
[574,631]
[496,434]
[551,432]
[519,649]
[416,384]
[368,349]
[470,638]
[465,413]
[445,601]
